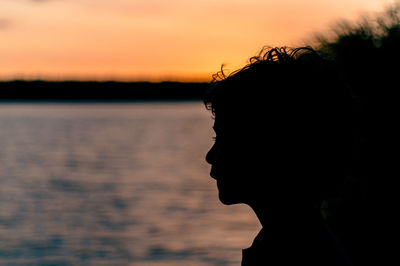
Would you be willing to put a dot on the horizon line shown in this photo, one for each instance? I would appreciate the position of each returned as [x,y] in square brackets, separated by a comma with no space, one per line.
[109,78]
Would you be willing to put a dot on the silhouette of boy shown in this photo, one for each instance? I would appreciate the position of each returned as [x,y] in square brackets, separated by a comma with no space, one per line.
[281,148]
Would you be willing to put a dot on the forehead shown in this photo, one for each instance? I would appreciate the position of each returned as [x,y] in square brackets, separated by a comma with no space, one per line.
[234,125]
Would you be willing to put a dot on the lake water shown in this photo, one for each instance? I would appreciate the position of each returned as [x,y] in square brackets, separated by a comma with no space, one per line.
[113,184]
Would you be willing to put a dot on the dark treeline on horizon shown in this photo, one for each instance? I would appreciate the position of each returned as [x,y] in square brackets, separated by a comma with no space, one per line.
[21,90]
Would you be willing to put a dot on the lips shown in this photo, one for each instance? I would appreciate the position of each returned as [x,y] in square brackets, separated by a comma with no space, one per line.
[213,173]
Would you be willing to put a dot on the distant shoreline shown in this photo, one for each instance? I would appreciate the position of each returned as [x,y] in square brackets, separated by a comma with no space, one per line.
[99,92]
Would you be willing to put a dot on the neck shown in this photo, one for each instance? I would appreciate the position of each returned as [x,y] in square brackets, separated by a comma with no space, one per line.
[293,219]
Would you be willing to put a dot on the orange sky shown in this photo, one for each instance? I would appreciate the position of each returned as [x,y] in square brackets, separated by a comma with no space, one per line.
[154,39]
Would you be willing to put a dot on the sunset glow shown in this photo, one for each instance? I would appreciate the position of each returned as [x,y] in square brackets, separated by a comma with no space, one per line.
[154,39]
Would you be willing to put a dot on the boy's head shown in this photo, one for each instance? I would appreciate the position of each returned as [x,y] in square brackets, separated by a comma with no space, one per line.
[280,128]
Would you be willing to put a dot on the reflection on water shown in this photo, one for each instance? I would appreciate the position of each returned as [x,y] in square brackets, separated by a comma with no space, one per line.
[113,184]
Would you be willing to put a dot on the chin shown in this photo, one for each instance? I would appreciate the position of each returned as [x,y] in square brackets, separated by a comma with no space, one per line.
[228,195]
[227,199]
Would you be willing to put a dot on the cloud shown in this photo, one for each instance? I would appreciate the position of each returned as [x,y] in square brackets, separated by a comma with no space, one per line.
[4,23]
[40,1]
[29,1]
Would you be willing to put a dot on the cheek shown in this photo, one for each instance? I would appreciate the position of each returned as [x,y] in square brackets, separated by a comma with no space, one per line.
[235,159]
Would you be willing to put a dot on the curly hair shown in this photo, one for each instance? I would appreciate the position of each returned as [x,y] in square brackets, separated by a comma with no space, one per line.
[268,68]
[271,55]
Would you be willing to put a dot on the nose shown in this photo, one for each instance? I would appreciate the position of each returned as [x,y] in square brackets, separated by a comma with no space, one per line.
[210,157]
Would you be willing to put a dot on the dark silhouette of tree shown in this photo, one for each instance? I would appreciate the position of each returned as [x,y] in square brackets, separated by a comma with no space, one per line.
[367,54]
